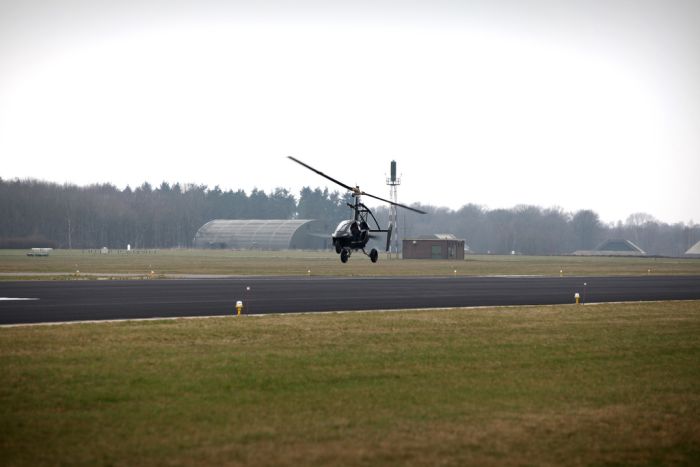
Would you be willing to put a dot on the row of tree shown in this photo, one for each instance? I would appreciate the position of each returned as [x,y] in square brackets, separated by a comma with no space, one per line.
[534,230]
[36,213]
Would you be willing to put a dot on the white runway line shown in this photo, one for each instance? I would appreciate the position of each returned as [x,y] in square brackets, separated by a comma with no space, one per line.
[571,306]
[13,298]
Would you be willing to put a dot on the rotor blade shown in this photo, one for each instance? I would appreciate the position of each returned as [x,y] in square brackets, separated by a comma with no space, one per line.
[395,204]
[354,189]
[323,175]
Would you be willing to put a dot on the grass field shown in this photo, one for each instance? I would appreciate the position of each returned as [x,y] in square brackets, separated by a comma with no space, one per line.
[564,385]
[293,263]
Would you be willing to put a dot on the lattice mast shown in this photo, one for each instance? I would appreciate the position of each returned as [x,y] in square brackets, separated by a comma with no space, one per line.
[393,181]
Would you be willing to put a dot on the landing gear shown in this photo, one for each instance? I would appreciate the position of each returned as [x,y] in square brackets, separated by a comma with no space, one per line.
[345,253]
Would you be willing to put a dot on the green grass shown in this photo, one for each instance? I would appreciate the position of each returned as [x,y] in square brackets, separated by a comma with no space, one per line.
[564,385]
[292,263]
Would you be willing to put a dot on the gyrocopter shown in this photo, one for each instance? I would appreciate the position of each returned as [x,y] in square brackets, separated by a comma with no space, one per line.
[353,234]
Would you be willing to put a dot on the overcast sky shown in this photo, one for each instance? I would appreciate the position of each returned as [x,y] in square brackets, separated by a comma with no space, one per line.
[576,104]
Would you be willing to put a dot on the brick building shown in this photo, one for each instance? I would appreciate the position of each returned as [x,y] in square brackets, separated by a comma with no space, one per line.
[436,246]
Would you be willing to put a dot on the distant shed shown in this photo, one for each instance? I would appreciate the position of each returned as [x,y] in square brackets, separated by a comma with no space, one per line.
[262,234]
[39,252]
[436,246]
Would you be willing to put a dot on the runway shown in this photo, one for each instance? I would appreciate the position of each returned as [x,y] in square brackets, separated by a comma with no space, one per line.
[61,301]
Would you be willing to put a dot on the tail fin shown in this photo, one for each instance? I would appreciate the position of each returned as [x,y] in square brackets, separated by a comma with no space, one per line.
[388,237]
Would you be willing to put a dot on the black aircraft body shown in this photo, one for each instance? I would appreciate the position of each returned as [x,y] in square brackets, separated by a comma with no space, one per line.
[353,234]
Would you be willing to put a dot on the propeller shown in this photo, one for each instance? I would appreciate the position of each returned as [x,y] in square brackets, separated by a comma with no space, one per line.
[355,190]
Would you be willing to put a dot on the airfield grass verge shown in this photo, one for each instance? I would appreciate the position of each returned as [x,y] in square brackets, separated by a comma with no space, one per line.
[63,264]
[573,385]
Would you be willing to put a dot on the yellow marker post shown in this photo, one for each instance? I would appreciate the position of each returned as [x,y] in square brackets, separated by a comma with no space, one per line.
[577,297]
[561,273]
[239,307]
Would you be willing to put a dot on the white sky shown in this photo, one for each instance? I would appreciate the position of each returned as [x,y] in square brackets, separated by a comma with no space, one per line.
[577,104]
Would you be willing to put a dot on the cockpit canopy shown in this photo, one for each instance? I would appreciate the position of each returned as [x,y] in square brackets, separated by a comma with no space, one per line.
[350,228]
[343,228]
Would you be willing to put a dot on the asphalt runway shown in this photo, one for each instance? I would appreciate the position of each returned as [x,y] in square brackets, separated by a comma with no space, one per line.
[60,301]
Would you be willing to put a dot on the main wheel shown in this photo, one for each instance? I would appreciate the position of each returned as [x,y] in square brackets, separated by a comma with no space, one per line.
[344,255]
[338,248]
[374,255]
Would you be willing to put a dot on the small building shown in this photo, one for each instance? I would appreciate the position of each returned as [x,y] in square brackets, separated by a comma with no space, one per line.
[436,246]
[262,234]
[39,252]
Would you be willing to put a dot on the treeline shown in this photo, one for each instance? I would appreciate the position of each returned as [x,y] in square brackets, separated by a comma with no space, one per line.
[36,213]
[533,230]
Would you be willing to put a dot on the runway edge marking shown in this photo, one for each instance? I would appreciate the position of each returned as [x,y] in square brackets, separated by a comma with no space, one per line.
[338,312]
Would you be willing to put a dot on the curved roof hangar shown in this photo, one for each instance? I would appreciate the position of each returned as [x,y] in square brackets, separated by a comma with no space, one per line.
[262,234]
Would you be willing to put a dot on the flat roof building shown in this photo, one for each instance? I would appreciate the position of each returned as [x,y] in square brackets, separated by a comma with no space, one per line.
[436,246]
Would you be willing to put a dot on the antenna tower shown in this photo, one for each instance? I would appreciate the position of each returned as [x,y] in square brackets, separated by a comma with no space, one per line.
[393,181]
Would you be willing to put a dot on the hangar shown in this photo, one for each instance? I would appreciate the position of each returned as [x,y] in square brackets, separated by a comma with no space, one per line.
[262,234]
[694,251]
[613,247]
